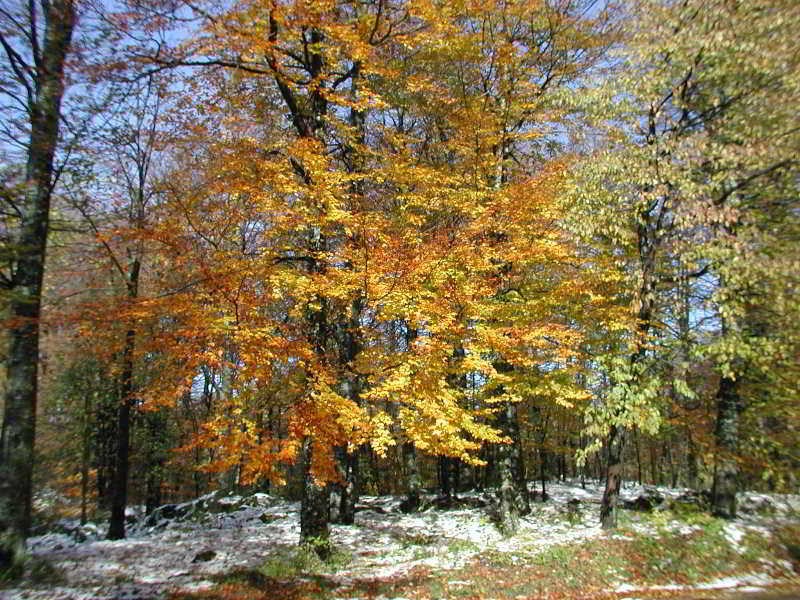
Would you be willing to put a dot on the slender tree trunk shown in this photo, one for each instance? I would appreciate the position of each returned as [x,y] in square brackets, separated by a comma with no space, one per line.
[349,348]
[688,404]
[350,487]
[445,479]
[490,470]
[119,491]
[119,484]
[673,472]
[608,507]
[105,437]
[726,434]
[448,466]
[86,448]
[691,459]
[413,479]
[25,286]
[638,455]
[543,467]
[413,497]
[455,475]
[374,472]
[543,458]
[155,456]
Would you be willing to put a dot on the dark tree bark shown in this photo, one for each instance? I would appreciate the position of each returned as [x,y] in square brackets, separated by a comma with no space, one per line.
[155,456]
[315,507]
[445,471]
[486,473]
[608,506]
[692,473]
[726,434]
[349,488]
[638,455]
[413,478]
[104,441]
[448,468]
[44,82]
[544,468]
[544,457]
[119,484]
[413,498]
[512,494]
[351,384]
[86,454]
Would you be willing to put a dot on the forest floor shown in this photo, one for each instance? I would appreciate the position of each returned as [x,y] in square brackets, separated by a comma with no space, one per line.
[245,548]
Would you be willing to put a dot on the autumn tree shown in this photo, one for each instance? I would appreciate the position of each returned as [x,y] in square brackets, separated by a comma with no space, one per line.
[675,189]
[341,240]
[115,210]
[36,43]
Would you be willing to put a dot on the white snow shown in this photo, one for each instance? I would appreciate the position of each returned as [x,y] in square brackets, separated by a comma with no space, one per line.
[744,583]
[734,533]
[384,542]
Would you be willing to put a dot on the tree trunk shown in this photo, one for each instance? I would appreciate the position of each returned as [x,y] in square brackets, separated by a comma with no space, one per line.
[349,492]
[348,336]
[543,468]
[638,456]
[410,462]
[691,459]
[413,479]
[25,286]
[513,492]
[647,240]
[86,453]
[726,434]
[608,506]
[445,479]
[653,465]
[544,456]
[104,439]
[314,507]
[673,471]
[156,458]
[119,484]
[455,475]
[490,470]
[119,491]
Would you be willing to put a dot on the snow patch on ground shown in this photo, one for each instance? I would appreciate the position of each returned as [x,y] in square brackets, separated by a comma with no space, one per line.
[734,533]
[167,554]
[743,583]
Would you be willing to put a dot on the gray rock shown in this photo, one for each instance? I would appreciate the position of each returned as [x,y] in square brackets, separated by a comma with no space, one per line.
[691,501]
[648,500]
[204,556]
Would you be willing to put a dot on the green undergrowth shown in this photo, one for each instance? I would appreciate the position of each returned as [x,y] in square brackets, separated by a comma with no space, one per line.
[304,560]
[33,570]
[293,574]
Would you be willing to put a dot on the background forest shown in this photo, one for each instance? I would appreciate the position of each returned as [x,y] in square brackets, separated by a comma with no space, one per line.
[342,247]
